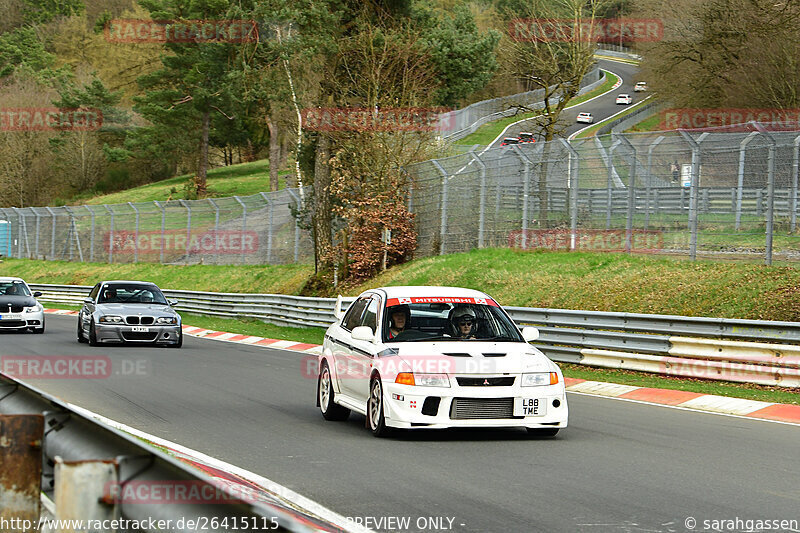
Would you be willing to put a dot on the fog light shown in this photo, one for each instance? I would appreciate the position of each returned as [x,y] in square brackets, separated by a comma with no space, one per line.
[556,403]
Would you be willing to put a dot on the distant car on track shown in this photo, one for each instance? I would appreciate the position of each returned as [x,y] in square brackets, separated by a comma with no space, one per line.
[19,309]
[510,140]
[640,87]
[585,118]
[526,137]
[437,357]
[129,311]
[624,99]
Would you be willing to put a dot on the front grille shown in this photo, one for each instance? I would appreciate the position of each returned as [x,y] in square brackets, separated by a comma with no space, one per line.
[503,381]
[139,336]
[431,406]
[479,408]
[11,308]
[135,320]
[132,320]
[147,320]
[12,323]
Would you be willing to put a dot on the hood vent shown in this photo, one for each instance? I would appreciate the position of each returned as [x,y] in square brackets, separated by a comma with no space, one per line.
[494,355]
[457,354]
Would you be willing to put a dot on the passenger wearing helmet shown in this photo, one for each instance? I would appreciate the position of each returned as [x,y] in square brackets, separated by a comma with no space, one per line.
[464,322]
[399,317]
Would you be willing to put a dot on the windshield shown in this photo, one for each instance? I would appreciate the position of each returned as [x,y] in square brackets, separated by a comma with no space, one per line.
[131,294]
[14,288]
[447,319]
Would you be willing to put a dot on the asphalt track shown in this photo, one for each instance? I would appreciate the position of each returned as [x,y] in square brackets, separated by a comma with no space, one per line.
[619,466]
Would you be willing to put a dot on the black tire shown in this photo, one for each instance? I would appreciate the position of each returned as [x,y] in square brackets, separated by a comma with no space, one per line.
[81,336]
[330,410]
[180,341]
[375,419]
[92,335]
[542,432]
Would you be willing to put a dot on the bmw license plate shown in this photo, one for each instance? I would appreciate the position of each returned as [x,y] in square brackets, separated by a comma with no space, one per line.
[140,329]
[11,316]
[530,406]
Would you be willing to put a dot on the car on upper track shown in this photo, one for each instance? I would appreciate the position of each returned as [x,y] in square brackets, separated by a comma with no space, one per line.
[526,137]
[510,140]
[624,99]
[437,357]
[19,309]
[585,118]
[640,87]
[129,311]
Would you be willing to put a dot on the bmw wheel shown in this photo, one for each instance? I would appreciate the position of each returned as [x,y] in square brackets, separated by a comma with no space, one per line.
[81,337]
[330,410]
[92,335]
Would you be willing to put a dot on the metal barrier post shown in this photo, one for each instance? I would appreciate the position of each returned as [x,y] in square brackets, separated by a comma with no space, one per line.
[795,169]
[52,234]
[86,490]
[21,438]
[163,227]
[36,237]
[244,224]
[188,229]
[614,146]
[649,179]
[135,234]
[110,235]
[91,239]
[526,185]
[574,161]
[443,209]
[631,195]
[216,230]
[740,181]
[73,228]
[770,189]
[695,145]
[482,210]
[269,227]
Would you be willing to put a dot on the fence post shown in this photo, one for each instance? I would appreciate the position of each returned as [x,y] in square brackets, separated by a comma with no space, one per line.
[36,238]
[244,224]
[740,181]
[73,227]
[770,188]
[296,223]
[614,146]
[795,168]
[91,238]
[135,234]
[443,209]
[693,191]
[163,228]
[572,187]
[631,195]
[649,179]
[269,228]
[216,229]
[526,186]
[188,229]
[19,227]
[52,233]
[482,209]
[110,235]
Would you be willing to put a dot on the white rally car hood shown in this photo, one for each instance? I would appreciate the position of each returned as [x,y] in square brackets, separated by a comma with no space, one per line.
[469,357]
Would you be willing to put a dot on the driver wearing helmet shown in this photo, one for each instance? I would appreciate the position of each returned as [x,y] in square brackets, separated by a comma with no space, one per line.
[464,322]
[399,317]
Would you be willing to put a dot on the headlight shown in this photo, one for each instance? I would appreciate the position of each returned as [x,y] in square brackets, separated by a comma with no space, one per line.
[111,319]
[35,309]
[422,380]
[166,320]
[537,379]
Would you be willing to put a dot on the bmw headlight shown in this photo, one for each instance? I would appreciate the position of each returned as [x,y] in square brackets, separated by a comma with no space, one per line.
[34,309]
[166,320]
[110,319]
[538,379]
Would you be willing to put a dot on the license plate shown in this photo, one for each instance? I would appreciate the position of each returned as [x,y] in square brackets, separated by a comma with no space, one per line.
[11,316]
[140,329]
[530,406]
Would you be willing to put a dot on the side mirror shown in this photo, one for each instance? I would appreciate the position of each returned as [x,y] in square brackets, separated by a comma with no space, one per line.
[88,301]
[36,294]
[530,333]
[337,308]
[172,303]
[363,333]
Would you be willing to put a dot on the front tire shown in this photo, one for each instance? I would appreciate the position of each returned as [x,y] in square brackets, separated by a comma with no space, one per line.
[375,418]
[180,341]
[329,409]
[92,335]
[81,337]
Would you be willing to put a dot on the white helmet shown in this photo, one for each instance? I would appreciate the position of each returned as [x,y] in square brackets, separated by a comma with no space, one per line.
[461,312]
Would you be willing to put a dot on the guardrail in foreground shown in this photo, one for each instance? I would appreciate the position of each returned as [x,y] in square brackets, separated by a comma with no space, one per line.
[713,348]
[108,458]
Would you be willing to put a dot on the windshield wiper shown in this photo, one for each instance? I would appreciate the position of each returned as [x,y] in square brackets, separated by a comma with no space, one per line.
[501,338]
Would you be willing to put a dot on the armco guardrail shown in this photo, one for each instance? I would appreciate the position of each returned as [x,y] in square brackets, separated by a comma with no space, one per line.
[715,348]
[68,438]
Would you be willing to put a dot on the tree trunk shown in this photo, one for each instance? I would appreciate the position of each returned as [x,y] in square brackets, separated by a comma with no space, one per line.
[274,153]
[202,167]
[322,207]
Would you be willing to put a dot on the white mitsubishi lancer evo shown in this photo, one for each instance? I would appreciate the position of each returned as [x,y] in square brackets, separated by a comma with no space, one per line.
[437,357]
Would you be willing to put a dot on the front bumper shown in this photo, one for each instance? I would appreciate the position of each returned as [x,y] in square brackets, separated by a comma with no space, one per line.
[117,333]
[26,320]
[407,406]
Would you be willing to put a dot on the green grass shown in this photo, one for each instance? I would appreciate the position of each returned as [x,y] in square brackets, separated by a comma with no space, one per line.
[242,180]
[488,132]
[652,123]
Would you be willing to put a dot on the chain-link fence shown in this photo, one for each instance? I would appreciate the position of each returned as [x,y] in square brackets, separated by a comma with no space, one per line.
[254,229]
[713,192]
